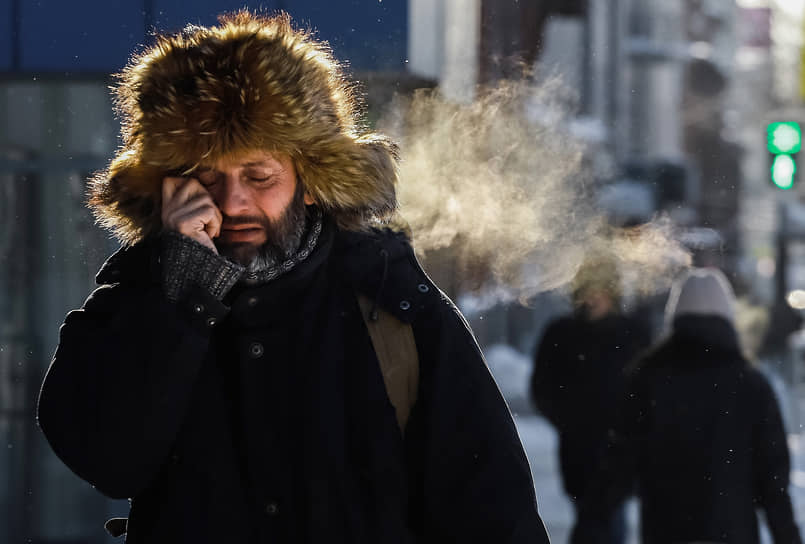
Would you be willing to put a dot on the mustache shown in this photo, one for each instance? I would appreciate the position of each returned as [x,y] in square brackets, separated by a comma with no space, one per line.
[232,221]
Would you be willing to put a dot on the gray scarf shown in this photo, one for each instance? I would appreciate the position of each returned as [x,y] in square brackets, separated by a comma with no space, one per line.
[265,268]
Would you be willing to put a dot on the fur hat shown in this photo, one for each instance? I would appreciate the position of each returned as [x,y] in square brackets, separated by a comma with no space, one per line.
[701,291]
[252,82]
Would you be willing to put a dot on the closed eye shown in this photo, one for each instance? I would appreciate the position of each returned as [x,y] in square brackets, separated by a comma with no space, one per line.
[266,181]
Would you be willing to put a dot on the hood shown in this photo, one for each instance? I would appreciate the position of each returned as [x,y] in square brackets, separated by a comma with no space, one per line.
[701,292]
[250,83]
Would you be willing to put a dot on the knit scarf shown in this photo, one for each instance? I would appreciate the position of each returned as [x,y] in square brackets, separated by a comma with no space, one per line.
[265,268]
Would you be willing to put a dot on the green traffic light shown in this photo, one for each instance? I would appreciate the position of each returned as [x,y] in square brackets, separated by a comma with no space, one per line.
[783,169]
[784,137]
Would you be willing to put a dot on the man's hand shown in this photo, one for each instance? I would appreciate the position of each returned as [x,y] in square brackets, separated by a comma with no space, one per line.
[188,208]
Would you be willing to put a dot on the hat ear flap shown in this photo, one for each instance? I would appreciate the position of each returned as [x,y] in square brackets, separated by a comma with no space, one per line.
[355,183]
[134,177]
[126,197]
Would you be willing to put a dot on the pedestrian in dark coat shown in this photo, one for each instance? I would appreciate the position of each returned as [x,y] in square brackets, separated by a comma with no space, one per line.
[702,435]
[577,379]
[222,376]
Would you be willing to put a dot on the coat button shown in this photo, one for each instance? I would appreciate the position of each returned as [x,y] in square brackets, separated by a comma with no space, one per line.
[272,509]
[256,350]
[211,321]
[404,305]
[252,302]
[198,308]
[423,288]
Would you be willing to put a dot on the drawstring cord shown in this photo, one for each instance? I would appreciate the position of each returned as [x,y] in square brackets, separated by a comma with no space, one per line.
[373,312]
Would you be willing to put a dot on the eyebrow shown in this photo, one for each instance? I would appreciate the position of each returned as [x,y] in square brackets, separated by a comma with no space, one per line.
[250,164]
[254,163]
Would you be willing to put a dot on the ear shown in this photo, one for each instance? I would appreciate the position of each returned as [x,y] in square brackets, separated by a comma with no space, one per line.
[309,199]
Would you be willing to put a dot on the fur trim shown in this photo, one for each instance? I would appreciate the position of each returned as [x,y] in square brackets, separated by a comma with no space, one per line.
[252,82]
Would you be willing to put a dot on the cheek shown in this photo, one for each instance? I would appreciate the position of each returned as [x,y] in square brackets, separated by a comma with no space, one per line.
[273,202]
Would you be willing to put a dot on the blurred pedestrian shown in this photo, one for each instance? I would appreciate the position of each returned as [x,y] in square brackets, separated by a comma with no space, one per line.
[265,361]
[578,376]
[701,433]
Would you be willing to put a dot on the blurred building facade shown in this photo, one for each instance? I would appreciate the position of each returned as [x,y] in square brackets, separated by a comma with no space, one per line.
[653,80]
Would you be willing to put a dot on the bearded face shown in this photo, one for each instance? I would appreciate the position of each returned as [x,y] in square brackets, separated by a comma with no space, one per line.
[263,206]
[281,236]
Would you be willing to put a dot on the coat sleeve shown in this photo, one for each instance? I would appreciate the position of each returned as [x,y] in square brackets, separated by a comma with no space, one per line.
[115,394]
[772,466]
[470,478]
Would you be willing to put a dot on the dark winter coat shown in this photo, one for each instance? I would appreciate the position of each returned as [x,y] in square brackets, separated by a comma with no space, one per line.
[265,418]
[577,383]
[704,441]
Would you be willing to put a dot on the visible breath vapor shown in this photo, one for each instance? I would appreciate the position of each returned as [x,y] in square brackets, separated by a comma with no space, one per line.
[500,186]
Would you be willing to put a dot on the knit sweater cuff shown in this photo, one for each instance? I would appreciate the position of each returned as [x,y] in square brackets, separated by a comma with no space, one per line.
[186,262]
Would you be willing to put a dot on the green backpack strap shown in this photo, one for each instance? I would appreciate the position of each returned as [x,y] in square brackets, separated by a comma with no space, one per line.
[395,347]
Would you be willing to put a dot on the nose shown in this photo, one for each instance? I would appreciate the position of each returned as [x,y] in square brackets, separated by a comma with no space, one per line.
[232,197]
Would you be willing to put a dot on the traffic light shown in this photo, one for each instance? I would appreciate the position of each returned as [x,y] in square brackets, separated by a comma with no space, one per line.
[784,142]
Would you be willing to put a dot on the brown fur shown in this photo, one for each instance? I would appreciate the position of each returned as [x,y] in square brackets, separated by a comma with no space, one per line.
[250,83]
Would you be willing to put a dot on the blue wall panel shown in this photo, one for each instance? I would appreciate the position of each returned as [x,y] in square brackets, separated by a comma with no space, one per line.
[5,35]
[57,36]
[371,34]
[75,37]
[170,15]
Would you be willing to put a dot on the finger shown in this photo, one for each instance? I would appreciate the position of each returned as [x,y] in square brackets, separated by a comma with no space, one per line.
[213,227]
[192,221]
[198,206]
[190,189]
[169,186]
[200,214]
[178,191]
[180,203]
[191,199]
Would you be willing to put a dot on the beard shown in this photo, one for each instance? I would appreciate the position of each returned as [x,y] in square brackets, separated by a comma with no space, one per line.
[283,236]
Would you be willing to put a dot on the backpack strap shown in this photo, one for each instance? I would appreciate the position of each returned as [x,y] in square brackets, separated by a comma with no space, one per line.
[395,347]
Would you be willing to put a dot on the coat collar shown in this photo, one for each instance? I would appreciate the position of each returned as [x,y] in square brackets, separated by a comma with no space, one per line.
[136,263]
[381,264]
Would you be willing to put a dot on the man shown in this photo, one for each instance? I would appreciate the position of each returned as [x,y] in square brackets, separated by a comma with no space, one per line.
[222,376]
[578,378]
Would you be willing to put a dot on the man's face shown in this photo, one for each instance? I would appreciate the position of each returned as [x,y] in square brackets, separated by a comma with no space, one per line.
[597,303]
[261,202]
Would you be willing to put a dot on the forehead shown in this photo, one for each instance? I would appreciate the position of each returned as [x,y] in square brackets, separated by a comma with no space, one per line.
[251,159]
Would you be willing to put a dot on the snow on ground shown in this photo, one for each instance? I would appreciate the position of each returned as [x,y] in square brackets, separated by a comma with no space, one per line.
[512,371]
